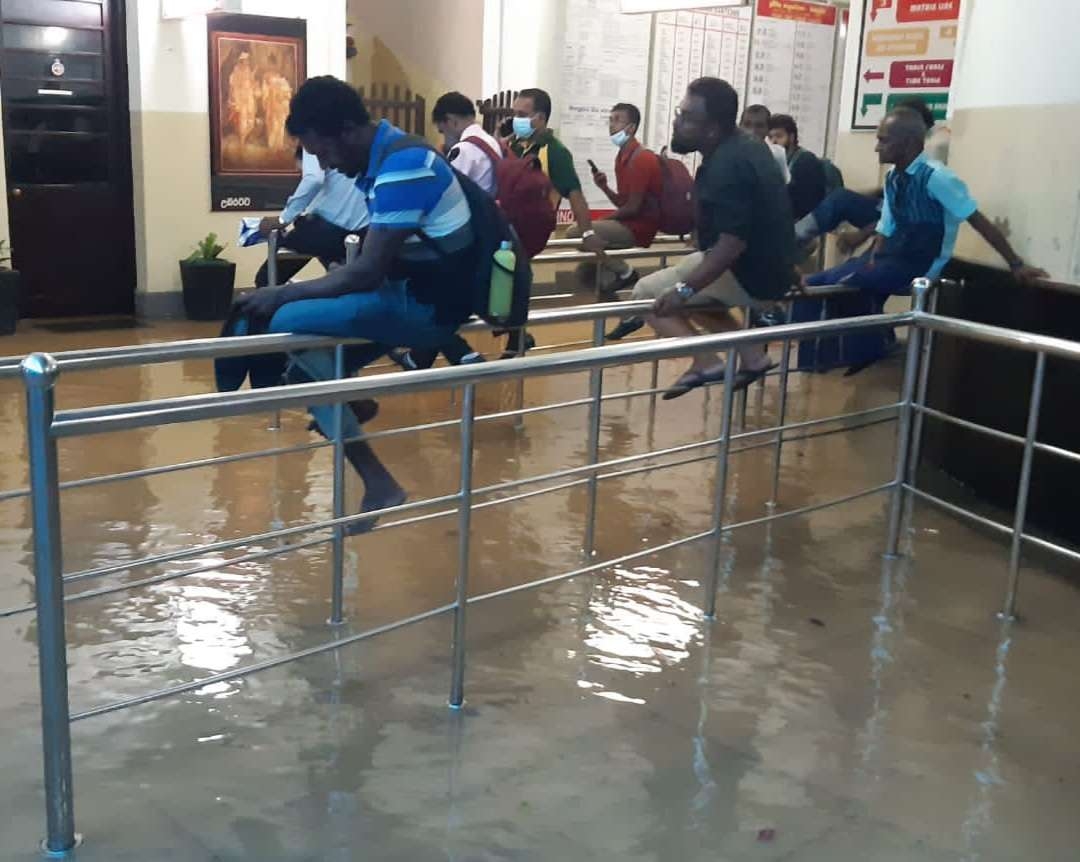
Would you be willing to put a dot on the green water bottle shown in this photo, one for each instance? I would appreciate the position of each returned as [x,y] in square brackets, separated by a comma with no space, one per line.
[501,291]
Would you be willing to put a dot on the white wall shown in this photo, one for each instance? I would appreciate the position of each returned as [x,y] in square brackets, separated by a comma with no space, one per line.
[1018,53]
[530,50]
[1016,129]
[854,153]
[169,99]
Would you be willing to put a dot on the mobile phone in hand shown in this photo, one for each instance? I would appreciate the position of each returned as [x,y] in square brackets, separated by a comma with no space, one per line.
[593,167]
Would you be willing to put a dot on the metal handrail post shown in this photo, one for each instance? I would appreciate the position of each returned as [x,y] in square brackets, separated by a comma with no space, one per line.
[723,449]
[40,372]
[337,574]
[596,407]
[337,571]
[272,281]
[271,258]
[519,420]
[919,289]
[920,392]
[1009,612]
[654,384]
[742,393]
[461,602]
[352,248]
[781,412]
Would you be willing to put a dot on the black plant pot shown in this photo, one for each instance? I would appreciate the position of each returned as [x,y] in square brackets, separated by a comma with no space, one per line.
[10,290]
[208,288]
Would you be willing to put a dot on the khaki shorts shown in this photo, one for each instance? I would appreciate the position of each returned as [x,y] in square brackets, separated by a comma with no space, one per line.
[725,290]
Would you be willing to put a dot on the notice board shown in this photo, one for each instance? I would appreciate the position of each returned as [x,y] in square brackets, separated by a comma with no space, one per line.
[908,49]
[688,45]
[792,64]
[605,61]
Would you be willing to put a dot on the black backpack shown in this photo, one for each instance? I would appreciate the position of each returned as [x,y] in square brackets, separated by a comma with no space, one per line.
[490,230]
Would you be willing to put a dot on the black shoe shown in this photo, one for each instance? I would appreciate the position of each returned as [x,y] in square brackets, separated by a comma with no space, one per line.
[404,359]
[512,344]
[625,328]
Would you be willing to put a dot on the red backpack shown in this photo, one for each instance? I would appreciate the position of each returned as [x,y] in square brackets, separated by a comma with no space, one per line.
[524,194]
[676,196]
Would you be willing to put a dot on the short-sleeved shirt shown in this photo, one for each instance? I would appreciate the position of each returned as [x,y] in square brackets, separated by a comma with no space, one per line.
[473,160]
[554,158]
[638,170]
[414,188]
[924,206]
[739,190]
[807,186]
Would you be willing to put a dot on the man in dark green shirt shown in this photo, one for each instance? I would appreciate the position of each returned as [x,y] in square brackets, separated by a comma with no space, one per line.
[532,137]
[744,231]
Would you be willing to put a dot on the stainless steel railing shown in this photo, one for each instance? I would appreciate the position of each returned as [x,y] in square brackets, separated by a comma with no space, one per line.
[46,427]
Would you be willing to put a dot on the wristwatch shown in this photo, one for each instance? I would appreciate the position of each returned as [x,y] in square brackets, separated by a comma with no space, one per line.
[1018,265]
[684,290]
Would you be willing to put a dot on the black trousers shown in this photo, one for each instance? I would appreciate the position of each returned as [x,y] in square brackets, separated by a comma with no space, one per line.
[310,236]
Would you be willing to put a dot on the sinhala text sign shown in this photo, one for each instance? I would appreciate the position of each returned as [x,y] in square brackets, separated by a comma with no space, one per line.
[908,49]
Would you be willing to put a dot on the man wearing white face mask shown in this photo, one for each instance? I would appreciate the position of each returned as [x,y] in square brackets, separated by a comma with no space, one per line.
[636,196]
[533,139]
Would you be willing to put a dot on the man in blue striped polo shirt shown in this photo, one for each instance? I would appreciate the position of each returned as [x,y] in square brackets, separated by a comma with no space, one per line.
[401,290]
[925,203]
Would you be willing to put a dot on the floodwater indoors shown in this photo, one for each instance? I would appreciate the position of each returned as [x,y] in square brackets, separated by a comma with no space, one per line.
[841,707]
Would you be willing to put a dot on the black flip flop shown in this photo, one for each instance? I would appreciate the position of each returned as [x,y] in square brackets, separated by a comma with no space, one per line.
[744,378]
[691,380]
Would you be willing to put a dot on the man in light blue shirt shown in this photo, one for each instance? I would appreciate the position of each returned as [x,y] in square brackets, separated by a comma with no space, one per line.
[924,205]
[326,207]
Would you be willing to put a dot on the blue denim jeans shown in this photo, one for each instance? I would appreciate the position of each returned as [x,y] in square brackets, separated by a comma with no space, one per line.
[887,277]
[844,205]
[389,317]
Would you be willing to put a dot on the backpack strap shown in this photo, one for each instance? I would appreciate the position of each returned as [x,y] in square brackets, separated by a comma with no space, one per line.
[484,146]
[406,142]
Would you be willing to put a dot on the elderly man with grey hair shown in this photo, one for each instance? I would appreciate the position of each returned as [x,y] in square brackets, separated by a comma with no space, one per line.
[924,206]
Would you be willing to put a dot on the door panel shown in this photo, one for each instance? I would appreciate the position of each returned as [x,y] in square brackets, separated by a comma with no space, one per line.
[68,154]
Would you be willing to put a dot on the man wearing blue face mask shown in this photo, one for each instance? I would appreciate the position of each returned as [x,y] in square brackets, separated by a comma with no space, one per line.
[533,139]
[636,195]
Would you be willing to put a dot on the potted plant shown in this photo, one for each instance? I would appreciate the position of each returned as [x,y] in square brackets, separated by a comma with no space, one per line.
[9,291]
[207,281]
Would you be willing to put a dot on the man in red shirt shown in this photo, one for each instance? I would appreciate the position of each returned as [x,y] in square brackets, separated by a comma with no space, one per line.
[636,195]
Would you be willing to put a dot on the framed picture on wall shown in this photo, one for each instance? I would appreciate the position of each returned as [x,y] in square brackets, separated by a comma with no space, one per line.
[256,65]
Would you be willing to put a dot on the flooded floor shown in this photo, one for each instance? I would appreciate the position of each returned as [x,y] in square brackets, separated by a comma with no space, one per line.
[839,708]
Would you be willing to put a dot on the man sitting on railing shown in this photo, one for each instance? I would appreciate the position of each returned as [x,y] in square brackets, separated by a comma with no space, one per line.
[402,289]
[744,230]
[636,196]
[924,205]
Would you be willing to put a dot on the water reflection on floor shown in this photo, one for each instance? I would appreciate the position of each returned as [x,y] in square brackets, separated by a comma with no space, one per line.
[840,708]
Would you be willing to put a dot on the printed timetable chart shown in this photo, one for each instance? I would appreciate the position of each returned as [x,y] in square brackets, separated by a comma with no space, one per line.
[688,45]
[908,49]
[605,61]
[792,64]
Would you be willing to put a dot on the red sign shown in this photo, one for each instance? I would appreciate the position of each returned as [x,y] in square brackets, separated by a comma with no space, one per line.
[927,10]
[798,10]
[920,73]
[878,5]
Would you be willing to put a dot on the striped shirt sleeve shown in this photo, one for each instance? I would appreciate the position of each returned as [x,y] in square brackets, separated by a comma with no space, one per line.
[407,189]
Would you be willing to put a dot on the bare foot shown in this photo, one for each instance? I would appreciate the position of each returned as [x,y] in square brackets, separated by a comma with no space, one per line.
[375,500]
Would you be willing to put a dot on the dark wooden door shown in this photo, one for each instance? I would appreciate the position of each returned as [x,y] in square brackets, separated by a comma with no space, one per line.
[67,146]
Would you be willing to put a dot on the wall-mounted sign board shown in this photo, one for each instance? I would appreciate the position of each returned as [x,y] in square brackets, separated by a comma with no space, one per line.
[908,49]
